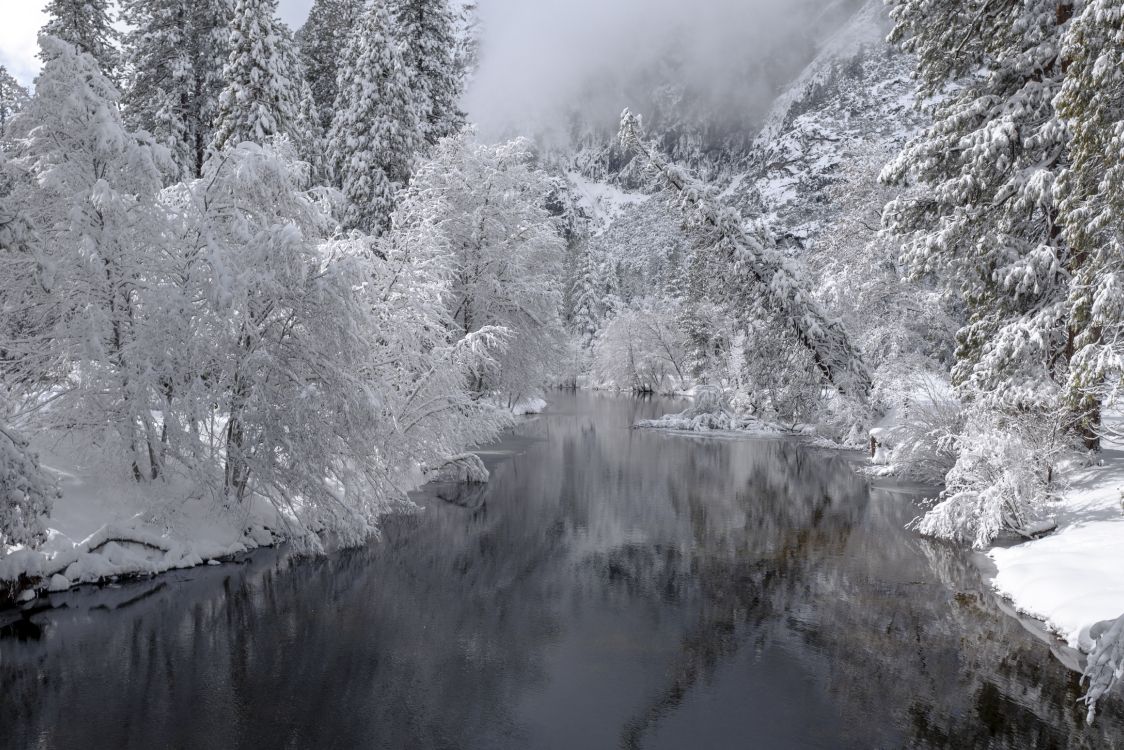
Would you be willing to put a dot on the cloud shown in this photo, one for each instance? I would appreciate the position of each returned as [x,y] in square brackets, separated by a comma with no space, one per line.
[542,60]
[18,37]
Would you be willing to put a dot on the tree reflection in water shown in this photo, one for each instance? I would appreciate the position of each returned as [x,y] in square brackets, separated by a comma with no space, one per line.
[609,588]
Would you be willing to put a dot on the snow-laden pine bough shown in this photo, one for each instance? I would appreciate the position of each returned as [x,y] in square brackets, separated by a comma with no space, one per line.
[759,267]
[1106,664]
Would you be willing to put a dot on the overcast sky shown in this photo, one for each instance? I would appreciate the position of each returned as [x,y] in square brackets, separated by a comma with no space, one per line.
[22,20]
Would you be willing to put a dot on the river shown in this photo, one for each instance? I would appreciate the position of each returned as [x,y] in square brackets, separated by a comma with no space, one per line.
[610,588]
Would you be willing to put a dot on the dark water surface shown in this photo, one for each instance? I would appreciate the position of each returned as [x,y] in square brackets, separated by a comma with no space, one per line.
[610,588]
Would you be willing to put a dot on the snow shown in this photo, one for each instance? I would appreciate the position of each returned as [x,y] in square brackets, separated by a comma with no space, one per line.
[527,406]
[602,202]
[105,525]
[1071,580]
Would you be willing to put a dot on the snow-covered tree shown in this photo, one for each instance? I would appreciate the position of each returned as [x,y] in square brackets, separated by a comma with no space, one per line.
[763,282]
[88,25]
[585,301]
[322,41]
[262,90]
[13,98]
[642,349]
[427,29]
[175,51]
[1091,102]
[307,137]
[26,492]
[482,208]
[376,129]
[89,189]
[987,224]
[316,374]
[1106,663]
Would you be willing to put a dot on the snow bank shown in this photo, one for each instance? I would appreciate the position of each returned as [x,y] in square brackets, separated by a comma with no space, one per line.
[602,202]
[529,406]
[106,526]
[1072,580]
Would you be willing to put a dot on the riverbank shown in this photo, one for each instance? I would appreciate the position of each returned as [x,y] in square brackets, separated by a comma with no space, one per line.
[1073,579]
[105,526]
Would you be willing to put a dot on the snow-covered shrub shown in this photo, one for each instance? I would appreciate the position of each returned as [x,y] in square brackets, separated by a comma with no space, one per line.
[26,493]
[920,440]
[1106,663]
[779,377]
[1002,481]
[641,349]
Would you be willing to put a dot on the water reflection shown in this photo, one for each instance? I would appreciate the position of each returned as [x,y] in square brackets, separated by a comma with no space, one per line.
[609,588]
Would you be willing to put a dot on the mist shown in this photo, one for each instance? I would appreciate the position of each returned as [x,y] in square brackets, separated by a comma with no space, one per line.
[554,68]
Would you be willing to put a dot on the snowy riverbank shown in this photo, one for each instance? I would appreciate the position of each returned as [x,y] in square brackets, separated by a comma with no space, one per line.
[104,526]
[1071,579]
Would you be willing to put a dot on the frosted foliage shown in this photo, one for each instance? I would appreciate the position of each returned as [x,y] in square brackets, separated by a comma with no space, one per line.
[26,493]
[1106,664]
[428,32]
[478,213]
[763,279]
[176,50]
[88,25]
[13,98]
[376,128]
[1000,483]
[262,82]
[317,374]
[1091,102]
[89,189]
[986,222]
[322,40]
[642,349]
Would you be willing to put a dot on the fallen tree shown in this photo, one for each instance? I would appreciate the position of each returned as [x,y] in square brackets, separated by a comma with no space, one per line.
[761,274]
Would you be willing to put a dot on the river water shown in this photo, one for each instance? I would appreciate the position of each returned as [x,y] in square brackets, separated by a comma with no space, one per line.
[610,588]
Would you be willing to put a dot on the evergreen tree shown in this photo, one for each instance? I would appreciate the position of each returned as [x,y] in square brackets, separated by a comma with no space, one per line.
[428,31]
[13,98]
[88,25]
[322,41]
[586,300]
[304,130]
[262,91]
[175,50]
[988,224]
[1092,206]
[375,132]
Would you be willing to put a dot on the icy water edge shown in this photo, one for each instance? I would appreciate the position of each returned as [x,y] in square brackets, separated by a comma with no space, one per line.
[610,588]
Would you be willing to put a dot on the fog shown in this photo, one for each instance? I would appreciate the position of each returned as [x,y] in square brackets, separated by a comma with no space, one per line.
[554,66]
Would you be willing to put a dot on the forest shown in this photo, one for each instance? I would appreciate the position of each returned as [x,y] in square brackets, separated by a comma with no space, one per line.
[258,284]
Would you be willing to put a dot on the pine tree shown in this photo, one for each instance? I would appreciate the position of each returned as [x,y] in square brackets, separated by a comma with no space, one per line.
[262,91]
[13,98]
[375,132]
[304,130]
[322,40]
[428,31]
[988,224]
[88,25]
[1092,206]
[586,300]
[175,50]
